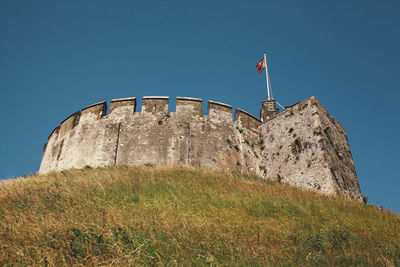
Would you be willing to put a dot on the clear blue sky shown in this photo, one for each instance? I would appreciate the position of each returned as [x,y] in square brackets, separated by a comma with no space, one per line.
[57,57]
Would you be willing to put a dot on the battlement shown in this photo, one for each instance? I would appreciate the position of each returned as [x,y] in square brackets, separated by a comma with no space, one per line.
[247,120]
[98,109]
[157,106]
[189,106]
[220,111]
[128,104]
[69,123]
[300,146]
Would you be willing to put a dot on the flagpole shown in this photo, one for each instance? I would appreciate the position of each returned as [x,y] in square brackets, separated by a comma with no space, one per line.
[266,75]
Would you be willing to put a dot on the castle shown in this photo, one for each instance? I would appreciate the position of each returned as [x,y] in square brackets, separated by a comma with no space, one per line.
[301,146]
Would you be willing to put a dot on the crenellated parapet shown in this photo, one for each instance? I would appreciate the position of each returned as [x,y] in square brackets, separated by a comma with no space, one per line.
[123,105]
[156,105]
[69,123]
[98,110]
[301,146]
[247,120]
[189,106]
[219,111]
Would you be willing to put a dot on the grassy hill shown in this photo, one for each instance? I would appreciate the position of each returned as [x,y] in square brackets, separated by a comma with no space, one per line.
[183,216]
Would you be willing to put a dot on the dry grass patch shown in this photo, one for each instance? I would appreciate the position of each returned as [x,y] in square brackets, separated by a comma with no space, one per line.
[185,216]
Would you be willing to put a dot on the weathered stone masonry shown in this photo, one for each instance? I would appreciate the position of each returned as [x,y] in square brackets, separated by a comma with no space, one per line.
[301,146]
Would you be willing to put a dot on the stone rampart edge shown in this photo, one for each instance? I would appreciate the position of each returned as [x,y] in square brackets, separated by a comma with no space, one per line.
[155,97]
[55,129]
[73,114]
[96,104]
[189,98]
[247,113]
[219,104]
[123,99]
[148,97]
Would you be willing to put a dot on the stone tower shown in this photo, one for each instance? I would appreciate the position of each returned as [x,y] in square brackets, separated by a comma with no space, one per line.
[268,110]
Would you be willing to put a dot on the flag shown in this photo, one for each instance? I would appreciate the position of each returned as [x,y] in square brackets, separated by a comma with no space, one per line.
[261,65]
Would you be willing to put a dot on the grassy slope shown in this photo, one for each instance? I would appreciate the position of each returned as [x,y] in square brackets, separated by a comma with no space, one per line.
[144,215]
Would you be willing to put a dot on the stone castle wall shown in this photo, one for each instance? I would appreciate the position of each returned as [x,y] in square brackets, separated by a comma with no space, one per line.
[307,148]
[301,146]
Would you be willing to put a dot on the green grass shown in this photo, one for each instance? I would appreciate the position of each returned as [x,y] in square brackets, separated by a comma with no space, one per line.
[183,216]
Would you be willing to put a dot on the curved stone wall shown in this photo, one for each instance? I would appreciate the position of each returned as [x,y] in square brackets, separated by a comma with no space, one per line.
[301,146]
[154,135]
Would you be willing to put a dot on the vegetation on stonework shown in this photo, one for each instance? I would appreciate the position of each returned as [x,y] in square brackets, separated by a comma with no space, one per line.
[121,216]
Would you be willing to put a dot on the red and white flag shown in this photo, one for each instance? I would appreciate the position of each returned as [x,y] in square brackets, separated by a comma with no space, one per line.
[261,65]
